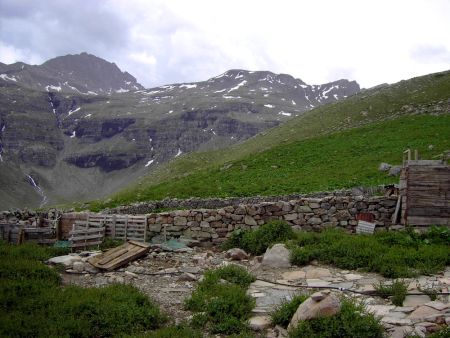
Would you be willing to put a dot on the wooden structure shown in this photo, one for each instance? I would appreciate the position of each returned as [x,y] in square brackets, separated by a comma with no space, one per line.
[119,256]
[18,234]
[425,192]
[97,226]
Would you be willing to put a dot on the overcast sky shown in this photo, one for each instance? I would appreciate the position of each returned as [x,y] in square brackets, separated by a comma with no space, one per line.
[169,41]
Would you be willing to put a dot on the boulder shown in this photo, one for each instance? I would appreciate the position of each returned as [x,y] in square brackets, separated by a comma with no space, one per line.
[327,305]
[78,266]
[236,254]
[395,170]
[66,260]
[278,256]
[384,166]
[259,323]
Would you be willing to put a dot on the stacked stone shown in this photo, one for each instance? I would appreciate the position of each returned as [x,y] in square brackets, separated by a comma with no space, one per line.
[307,214]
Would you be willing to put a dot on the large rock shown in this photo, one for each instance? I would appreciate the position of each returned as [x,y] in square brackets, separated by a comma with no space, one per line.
[320,304]
[277,256]
[236,254]
[259,323]
[66,260]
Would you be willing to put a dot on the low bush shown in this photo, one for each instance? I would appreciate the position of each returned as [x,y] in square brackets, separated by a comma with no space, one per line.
[392,254]
[257,241]
[352,321]
[396,291]
[110,243]
[221,302]
[32,303]
[284,312]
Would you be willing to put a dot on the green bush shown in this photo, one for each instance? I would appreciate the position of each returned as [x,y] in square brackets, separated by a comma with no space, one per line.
[390,253]
[352,321]
[110,243]
[397,291]
[32,304]
[176,331]
[257,241]
[284,312]
[220,300]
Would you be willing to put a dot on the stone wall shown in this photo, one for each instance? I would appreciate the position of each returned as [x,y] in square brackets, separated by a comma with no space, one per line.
[214,225]
[216,203]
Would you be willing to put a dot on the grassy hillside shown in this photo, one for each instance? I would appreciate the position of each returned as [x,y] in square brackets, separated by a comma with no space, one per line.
[334,146]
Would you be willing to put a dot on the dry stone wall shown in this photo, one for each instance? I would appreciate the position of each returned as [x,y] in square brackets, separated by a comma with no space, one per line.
[214,225]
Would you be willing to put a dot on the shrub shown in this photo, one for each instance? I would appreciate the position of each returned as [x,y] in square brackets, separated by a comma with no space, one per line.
[392,254]
[257,241]
[397,291]
[284,312]
[110,243]
[33,304]
[222,301]
[352,321]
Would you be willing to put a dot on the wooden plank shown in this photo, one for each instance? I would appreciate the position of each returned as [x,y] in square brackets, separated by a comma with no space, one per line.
[88,231]
[86,244]
[419,220]
[133,250]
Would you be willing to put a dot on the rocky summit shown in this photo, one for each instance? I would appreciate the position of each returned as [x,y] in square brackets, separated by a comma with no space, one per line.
[77,122]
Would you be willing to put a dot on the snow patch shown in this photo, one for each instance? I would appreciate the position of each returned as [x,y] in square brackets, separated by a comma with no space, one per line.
[6,77]
[88,115]
[57,88]
[284,113]
[121,90]
[3,128]
[38,189]
[74,134]
[293,103]
[231,97]
[93,93]
[170,112]
[238,85]
[220,91]
[149,162]
[179,152]
[188,86]
[73,111]
[269,105]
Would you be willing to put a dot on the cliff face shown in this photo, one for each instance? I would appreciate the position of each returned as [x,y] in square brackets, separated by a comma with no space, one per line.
[64,144]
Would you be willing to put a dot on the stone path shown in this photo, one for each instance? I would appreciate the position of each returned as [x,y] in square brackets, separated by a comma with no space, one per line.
[418,315]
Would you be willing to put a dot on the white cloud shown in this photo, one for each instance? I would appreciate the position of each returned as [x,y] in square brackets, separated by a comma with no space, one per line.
[161,42]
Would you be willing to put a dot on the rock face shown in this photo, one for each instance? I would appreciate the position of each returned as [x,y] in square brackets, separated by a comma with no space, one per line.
[78,120]
[320,304]
[278,256]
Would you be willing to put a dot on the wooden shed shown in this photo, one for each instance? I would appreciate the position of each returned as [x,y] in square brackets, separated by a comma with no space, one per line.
[425,192]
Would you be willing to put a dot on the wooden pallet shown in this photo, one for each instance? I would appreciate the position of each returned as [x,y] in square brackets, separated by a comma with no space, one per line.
[18,234]
[119,256]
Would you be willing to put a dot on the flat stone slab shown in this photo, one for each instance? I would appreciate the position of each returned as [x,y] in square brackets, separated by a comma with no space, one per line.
[352,276]
[438,305]
[423,312]
[294,275]
[416,300]
[314,273]
[317,282]
[380,310]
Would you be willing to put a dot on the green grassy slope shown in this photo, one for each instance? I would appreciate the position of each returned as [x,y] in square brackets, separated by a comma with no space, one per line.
[323,149]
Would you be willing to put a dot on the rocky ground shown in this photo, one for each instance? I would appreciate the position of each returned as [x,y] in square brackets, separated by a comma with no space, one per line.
[169,277]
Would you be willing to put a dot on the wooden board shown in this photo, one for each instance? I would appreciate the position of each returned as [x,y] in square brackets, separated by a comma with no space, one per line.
[119,256]
[364,227]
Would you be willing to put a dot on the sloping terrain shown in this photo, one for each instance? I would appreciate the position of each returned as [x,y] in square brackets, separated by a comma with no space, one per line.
[60,144]
[334,146]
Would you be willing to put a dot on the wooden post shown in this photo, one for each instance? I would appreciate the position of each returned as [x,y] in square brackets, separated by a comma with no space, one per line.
[126,227]
[113,230]
[145,228]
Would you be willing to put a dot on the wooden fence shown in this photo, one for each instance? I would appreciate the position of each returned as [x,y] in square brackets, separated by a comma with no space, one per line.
[96,227]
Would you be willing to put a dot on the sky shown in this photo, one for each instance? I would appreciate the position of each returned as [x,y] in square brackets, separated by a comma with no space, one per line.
[174,41]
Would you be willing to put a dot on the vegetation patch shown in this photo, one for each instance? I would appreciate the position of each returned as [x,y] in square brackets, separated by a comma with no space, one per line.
[396,291]
[257,241]
[352,321]
[284,312]
[391,253]
[321,163]
[220,300]
[32,303]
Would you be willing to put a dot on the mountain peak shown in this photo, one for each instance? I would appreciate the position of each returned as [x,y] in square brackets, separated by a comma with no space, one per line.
[73,73]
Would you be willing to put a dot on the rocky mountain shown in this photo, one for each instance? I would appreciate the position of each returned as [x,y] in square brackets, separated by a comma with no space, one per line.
[80,74]
[61,142]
